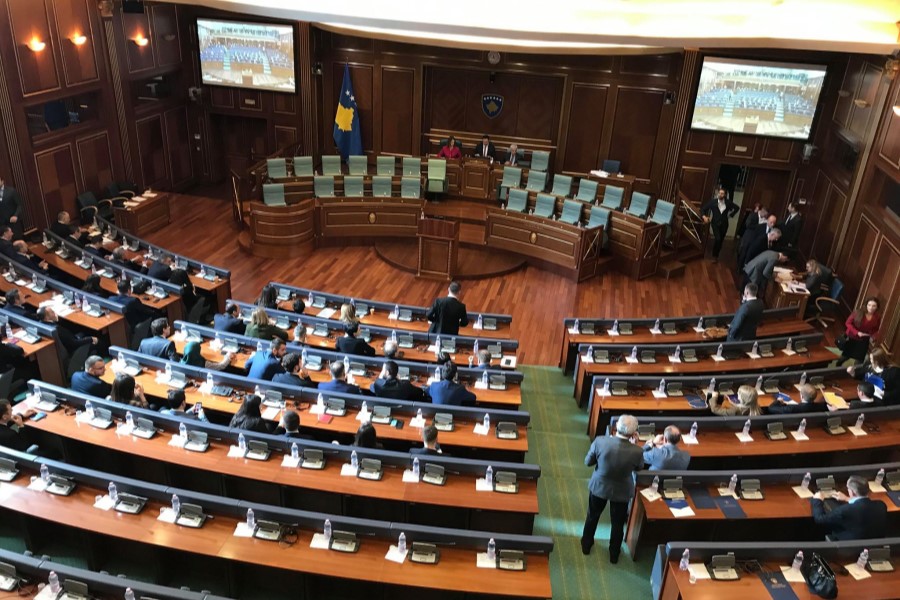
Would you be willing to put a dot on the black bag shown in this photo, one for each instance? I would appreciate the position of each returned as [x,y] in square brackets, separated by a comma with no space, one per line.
[841,341]
[820,578]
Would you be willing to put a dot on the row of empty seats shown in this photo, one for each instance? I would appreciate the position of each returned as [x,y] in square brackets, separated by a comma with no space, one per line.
[354,187]
[302,166]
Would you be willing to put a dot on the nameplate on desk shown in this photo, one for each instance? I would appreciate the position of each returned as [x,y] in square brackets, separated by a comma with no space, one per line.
[658,394]
[802,492]
[744,437]
[857,431]
[800,437]
[326,313]
[690,440]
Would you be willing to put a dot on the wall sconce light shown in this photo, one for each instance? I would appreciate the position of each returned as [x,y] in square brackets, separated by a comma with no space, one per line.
[861,103]
[78,39]
[140,40]
[35,44]
[897,109]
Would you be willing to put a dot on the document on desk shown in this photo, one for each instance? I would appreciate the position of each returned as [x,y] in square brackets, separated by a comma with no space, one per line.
[167,515]
[744,437]
[271,413]
[800,437]
[242,530]
[658,394]
[802,492]
[483,562]
[699,571]
[410,477]
[348,470]
[394,555]
[104,503]
[792,575]
[481,485]
[731,508]
[290,462]
[326,313]
[680,508]
[857,431]
[834,400]
[784,270]
[319,542]
[480,429]
[650,495]
[856,572]
[689,440]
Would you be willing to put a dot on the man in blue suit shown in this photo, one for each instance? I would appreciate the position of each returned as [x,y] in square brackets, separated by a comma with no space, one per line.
[663,453]
[161,268]
[229,321]
[88,381]
[858,518]
[266,364]
[448,391]
[338,381]
[159,345]
[747,318]
[133,309]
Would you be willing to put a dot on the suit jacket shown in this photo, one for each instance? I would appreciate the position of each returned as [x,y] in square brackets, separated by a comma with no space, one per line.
[29,261]
[861,520]
[10,204]
[263,365]
[424,451]
[22,310]
[449,392]
[294,435]
[890,377]
[86,383]
[814,282]
[614,460]
[397,389]
[340,386]
[666,457]
[790,229]
[491,151]
[292,379]
[512,158]
[134,310]
[158,346]
[353,345]
[717,218]
[159,270]
[227,323]
[759,270]
[780,408]
[752,245]
[13,438]
[70,341]
[746,320]
[63,230]
[7,249]
[447,315]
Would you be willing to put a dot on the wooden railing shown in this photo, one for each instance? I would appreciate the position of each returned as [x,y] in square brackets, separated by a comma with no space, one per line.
[692,231]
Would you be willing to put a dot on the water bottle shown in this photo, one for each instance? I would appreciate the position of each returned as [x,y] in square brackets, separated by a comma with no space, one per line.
[259,346]
[879,477]
[486,422]
[677,354]
[53,582]
[615,327]
[806,479]
[590,353]
[654,487]
[129,594]
[113,492]
[303,357]
[415,468]
[606,385]
[484,378]
[790,345]
[719,351]
[798,561]
[419,415]
[694,430]
[320,403]
[700,323]
[437,345]
[129,420]
[801,429]
[747,427]
[437,374]
[755,348]
[577,326]
[242,442]
[863,559]
[803,378]
[354,460]
[346,364]
[89,409]
[732,484]
[860,420]
[45,474]
[85,305]
[121,358]
[364,408]
[656,325]
[662,386]
[479,322]
[182,431]
[327,529]
[475,348]
[712,385]
[685,562]
[309,299]
[257,392]
[209,381]
[251,519]
[295,451]
[634,353]
[176,504]
[168,371]
[396,311]
[492,550]
[489,475]
[759,384]
[9,331]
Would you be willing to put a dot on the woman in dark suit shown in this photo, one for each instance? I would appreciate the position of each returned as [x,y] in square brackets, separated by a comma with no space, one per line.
[881,373]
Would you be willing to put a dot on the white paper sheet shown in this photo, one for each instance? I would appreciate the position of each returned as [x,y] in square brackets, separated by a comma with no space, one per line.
[483,562]
[699,571]
[409,477]
[319,542]
[242,530]
[235,452]
[802,493]
[682,512]
[744,437]
[857,431]
[104,503]
[690,440]
[290,462]
[650,495]
[271,413]
[856,572]
[800,437]
[166,515]
[347,470]
[659,394]
[792,575]
[480,429]
[394,555]
[481,485]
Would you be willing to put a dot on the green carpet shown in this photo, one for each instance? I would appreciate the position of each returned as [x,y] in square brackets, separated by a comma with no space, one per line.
[557,442]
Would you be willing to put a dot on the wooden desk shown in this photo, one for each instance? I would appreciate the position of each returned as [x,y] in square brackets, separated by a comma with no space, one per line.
[46,356]
[778,295]
[438,249]
[363,219]
[141,217]
[637,242]
[282,231]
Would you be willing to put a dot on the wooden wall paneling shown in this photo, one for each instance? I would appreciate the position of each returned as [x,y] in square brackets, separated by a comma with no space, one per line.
[844,103]
[888,144]
[817,207]
[538,102]
[506,85]
[165,40]
[635,128]
[309,89]
[447,99]
[869,81]
[774,150]
[829,224]
[740,146]
[178,145]
[152,152]
[58,184]
[250,100]
[398,105]
[855,268]
[770,188]
[284,104]
[882,283]
[649,65]
[37,70]
[285,136]
[221,97]
[79,63]
[95,162]
[694,183]
[138,58]
[700,142]
[584,130]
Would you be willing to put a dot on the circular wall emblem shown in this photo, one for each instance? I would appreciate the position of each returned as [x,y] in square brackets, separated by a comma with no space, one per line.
[533,237]
[371,217]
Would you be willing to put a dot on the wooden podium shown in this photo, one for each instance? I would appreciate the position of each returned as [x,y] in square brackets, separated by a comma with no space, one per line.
[438,247]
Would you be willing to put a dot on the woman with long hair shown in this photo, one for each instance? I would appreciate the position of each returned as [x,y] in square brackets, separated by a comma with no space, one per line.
[193,357]
[249,417]
[879,371]
[260,327]
[127,391]
[861,328]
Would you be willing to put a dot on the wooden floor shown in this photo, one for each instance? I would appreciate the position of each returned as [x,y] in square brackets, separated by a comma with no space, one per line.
[539,300]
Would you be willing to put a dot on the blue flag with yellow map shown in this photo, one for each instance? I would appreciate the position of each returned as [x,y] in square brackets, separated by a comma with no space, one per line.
[347,136]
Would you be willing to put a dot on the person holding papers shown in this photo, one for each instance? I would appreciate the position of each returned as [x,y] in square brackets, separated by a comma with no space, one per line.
[746,403]
[448,391]
[810,401]
[663,454]
[884,376]
[858,517]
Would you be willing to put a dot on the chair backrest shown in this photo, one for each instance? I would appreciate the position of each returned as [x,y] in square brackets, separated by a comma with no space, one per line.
[6,380]
[599,216]
[663,212]
[331,164]
[537,181]
[540,160]
[571,212]
[611,166]
[381,186]
[518,200]
[410,187]
[353,186]
[837,286]
[140,333]
[412,165]
[323,186]
[612,197]
[639,204]
[303,166]
[359,165]
[587,191]
[512,177]
[437,168]
[386,165]
[87,199]
[562,185]
[273,194]
[545,205]
[277,167]
[196,314]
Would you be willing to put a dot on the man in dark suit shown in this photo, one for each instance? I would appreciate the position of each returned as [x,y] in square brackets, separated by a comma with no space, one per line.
[448,314]
[615,459]
[289,426]
[338,381]
[747,317]
[13,433]
[161,268]
[6,239]
[512,156]
[810,401]
[95,246]
[63,227]
[133,309]
[24,257]
[14,305]
[866,398]
[159,344]
[350,344]
[757,242]
[389,386]
[119,257]
[11,208]
[266,364]
[88,381]
[761,269]
[294,373]
[486,148]
[429,439]
[448,391]
[858,518]
[229,321]
[717,212]
[791,226]
[70,340]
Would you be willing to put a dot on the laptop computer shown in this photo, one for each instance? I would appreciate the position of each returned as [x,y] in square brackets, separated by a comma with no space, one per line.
[230,345]
[669,329]
[273,399]
[47,403]
[257,450]
[689,355]
[817,381]
[880,560]
[362,309]
[765,350]
[319,302]
[335,407]
[625,329]
[59,485]
[320,330]
[313,362]
[270,531]
[601,356]
[497,382]
[381,414]
[618,388]
[197,441]
[357,369]
[434,474]
[283,294]
[343,541]
[365,334]
[672,489]
[892,481]
[102,418]
[648,356]
[770,386]
[75,590]
[833,426]
[646,431]
[448,345]
[94,310]
[282,322]
[586,327]
[489,324]
[725,389]
[132,367]
[405,314]
[495,350]
[674,389]
[405,340]
[800,347]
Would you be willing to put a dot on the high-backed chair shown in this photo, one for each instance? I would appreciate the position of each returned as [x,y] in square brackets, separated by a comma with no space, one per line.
[273,194]
[663,212]
[639,205]
[353,186]
[537,181]
[386,165]
[323,186]
[562,186]
[277,168]
[89,207]
[303,166]
[540,160]
[410,187]
[545,206]
[436,181]
[587,191]
[512,178]
[412,165]
[571,212]
[827,308]
[600,216]
[611,166]
[612,197]
[331,164]
[121,189]
[381,186]
[359,165]
[518,200]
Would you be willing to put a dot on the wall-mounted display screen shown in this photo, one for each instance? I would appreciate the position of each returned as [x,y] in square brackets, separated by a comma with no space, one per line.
[247,55]
[758,97]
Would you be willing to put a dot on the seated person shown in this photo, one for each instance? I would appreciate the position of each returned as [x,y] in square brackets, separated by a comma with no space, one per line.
[878,370]
[260,327]
[486,148]
[188,292]
[366,436]
[858,518]
[746,403]
[298,306]
[429,439]
[448,391]
[348,314]
[443,358]
[95,246]
[192,356]
[161,268]
[350,344]
[299,334]
[63,228]
[249,417]
[451,150]
[13,433]
[92,285]
[294,372]
[289,426]
[119,257]
[389,386]
[338,381]
[866,397]
[24,257]
[391,349]
[134,311]
[159,344]
[88,381]
[266,364]
[15,306]
[663,454]
[128,391]
[229,321]
[512,156]
[268,297]
[484,359]
[810,401]
[71,340]
[6,239]
[177,407]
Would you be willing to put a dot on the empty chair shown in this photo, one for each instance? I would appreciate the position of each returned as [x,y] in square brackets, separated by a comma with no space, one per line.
[512,178]
[611,166]
[121,189]
[277,168]
[436,181]
[410,187]
[639,204]
[663,212]
[587,191]
[537,181]
[353,186]
[540,160]
[323,186]
[331,164]
[359,165]
[386,165]
[518,200]
[600,217]
[545,205]
[571,212]
[562,186]
[412,166]
[303,166]
[827,307]
[273,194]
[612,197]
[381,186]
[89,207]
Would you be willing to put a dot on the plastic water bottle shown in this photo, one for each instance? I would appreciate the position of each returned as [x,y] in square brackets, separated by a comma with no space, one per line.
[129,420]
[53,582]
[662,386]
[401,543]
[634,353]
[805,483]
[656,325]
[759,384]
[732,484]
[484,378]
[479,322]
[437,345]
[168,371]
[396,311]
[85,305]
[209,381]
[295,451]
[182,431]
[860,420]
[606,385]
[475,348]
[303,357]
[677,354]
[259,346]
[755,348]
[798,561]
[700,323]
[489,475]
[801,429]
[309,299]
[719,351]
[89,409]
[364,408]
[327,529]
[393,335]
[790,345]
[747,427]
[9,331]
[863,559]
[45,473]
[615,327]
[879,477]
[803,378]
[685,562]
[251,519]
[694,430]
[354,460]
[437,374]
[577,326]
[415,468]
[712,385]
[257,392]
[113,491]
[320,403]
[486,422]
[346,364]
[176,504]
[419,415]
[242,442]
[492,550]
[654,487]
[129,594]
[121,358]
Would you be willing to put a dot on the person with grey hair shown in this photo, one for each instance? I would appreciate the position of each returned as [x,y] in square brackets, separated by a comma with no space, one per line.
[615,459]
[858,517]
[663,454]
[89,381]
[391,349]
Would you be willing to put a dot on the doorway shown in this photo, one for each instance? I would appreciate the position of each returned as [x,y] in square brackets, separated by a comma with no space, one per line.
[747,186]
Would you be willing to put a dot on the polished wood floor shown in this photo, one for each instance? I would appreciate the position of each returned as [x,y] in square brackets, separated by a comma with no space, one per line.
[539,300]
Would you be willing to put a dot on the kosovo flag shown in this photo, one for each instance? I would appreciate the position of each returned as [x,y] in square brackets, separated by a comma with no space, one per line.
[347,136]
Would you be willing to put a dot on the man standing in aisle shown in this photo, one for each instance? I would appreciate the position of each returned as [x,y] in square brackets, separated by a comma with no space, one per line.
[11,208]
[448,314]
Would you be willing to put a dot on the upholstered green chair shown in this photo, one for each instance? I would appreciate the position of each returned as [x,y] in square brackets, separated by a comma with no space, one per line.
[386,165]
[381,186]
[587,191]
[412,166]
[303,166]
[411,187]
[359,165]
[436,180]
[353,186]
[612,197]
[331,164]
[273,194]
[512,178]
[640,204]
[323,186]
[540,160]
[537,181]
[562,186]
[518,200]
[545,206]
[571,212]
[277,168]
